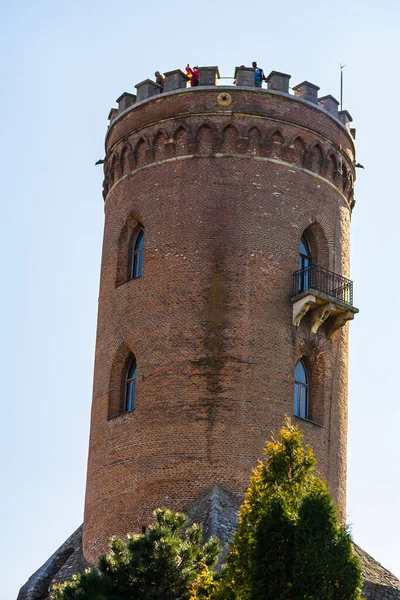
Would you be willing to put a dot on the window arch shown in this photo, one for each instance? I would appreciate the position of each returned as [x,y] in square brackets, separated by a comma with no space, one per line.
[305,261]
[301,392]
[130,386]
[138,254]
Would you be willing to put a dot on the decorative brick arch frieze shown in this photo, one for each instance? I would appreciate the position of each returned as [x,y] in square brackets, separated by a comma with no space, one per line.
[294,150]
[277,142]
[258,140]
[115,173]
[229,139]
[346,180]
[142,152]
[126,152]
[160,134]
[317,156]
[205,138]
[254,141]
[182,125]
[333,167]
[180,138]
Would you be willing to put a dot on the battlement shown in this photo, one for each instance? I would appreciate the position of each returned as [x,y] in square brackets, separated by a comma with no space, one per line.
[275,82]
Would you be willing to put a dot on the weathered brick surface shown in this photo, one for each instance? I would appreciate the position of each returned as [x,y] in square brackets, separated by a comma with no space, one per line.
[224,194]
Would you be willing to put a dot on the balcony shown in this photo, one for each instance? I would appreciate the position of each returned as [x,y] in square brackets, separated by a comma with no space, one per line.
[327,295]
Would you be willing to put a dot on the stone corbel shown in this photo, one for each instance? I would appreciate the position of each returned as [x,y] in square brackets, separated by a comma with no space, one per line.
[301,307]
[340,320]
[321,315]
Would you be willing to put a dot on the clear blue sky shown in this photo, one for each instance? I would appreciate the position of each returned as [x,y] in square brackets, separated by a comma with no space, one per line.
[62,65]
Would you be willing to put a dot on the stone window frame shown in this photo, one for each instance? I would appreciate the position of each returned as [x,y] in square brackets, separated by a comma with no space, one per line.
[126,248]
[301,387]
[136,258]
[121,365]
[130,388]
[315,237]
[315,367]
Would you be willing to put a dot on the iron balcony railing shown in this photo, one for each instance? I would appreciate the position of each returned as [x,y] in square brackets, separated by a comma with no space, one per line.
[321,280]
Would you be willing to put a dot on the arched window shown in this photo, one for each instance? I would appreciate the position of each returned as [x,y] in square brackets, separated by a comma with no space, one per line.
[304,265]
[130,387]
[300,391]
[138,255]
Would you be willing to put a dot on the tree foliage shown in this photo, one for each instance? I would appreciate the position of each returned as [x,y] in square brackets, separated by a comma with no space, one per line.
[169,563]
[289,544]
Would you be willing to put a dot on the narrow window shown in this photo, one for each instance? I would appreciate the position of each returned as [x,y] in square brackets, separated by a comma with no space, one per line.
[300,391]
[138,255]
[304,265]
[130,387]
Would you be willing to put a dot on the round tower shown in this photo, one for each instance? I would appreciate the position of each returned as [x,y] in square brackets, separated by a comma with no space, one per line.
[224,292]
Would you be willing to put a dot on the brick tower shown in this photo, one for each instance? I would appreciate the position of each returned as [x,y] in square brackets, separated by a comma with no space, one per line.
[224,297]
[223,293]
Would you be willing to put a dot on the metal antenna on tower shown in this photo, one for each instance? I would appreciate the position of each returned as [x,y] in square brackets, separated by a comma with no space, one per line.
[341,85]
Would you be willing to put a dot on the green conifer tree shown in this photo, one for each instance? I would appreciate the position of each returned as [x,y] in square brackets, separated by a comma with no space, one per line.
[325,565]
[289,544]
[169,563]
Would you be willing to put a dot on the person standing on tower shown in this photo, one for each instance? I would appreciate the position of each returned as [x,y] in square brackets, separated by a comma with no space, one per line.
[194,75]
[259,76]
[159,80]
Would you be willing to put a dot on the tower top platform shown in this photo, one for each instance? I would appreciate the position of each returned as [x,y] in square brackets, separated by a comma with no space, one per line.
[176,82]
[275,122]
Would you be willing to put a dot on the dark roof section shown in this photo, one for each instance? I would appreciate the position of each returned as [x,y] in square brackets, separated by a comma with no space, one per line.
[218,513]
[65,561]
[379,583]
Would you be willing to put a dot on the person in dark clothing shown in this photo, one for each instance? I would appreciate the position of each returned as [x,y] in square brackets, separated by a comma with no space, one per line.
[159,80]
[259,76]
[194,75]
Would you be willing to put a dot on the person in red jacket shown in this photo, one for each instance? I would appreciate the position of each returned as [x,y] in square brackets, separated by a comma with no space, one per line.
[194,75]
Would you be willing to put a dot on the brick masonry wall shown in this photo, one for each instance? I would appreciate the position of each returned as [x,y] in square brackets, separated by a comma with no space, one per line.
[224,194]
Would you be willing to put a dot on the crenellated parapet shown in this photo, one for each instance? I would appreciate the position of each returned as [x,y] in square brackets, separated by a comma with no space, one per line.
[178,122]
[221,121]
[243,77]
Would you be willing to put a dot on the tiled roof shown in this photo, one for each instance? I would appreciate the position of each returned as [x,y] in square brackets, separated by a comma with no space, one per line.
[379,583]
